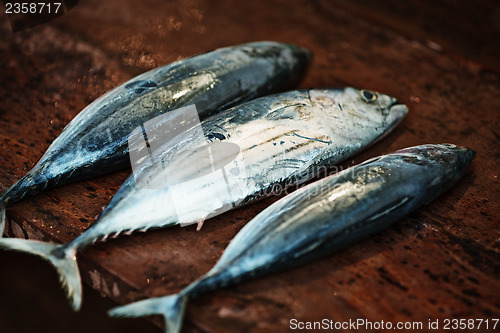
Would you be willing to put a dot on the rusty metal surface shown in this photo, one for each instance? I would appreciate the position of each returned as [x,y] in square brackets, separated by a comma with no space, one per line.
[441,262]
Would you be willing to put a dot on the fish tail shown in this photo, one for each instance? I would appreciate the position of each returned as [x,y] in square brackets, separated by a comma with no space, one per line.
[170,307]
[2,219]
[29,185]
[63,259]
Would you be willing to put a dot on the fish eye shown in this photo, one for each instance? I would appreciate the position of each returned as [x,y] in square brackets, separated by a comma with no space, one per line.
[368,96]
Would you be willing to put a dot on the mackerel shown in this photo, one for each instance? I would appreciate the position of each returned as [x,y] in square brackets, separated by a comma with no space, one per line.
[321,218]
[281,139]
[95,142]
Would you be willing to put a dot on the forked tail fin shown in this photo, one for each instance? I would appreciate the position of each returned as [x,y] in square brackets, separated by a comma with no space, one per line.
[170,307]
[2,219]
[62,258]
[29,185]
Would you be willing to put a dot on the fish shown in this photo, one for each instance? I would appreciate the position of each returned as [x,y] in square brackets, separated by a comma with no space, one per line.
[95,142]
[279,140]
[319,219]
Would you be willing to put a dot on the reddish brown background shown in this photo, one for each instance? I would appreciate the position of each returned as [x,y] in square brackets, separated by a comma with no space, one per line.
[440,58]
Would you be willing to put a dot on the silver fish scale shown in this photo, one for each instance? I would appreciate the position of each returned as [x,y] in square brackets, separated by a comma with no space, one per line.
[281,139]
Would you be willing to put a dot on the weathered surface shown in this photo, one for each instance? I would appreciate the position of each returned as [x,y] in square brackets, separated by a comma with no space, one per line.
[440,262]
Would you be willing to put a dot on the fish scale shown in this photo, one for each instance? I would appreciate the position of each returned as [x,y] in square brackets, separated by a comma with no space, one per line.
[261,165]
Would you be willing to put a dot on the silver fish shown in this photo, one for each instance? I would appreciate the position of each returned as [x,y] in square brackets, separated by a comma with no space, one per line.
[321,218]
[281,139]
[95,142]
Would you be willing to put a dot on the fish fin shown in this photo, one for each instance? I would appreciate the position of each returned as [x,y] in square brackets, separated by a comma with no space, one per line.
[2,219]
[199,225]
[170,307]
[61,257]
[389,208]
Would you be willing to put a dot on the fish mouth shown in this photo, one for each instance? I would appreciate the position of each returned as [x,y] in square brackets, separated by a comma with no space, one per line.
[465,155]
[397,110]
[303,54]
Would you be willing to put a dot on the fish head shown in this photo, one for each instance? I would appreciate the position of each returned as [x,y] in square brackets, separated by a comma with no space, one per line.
[444,156]
[366,107]
[374,104]
[436,167]
[301,56]
[289,60]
